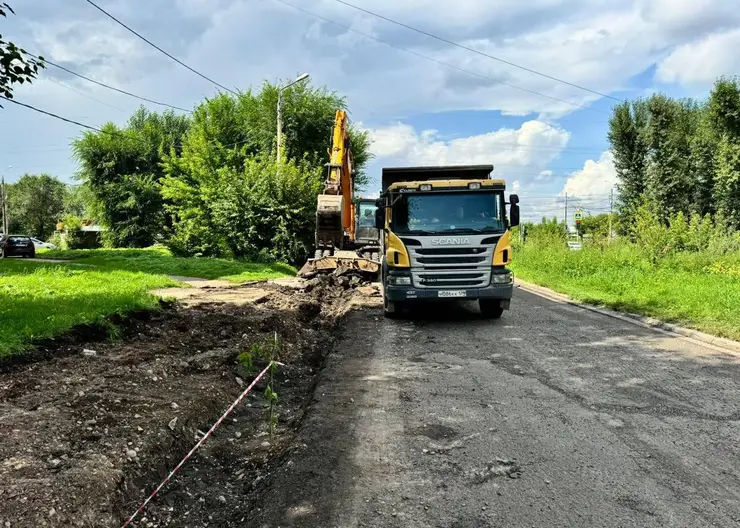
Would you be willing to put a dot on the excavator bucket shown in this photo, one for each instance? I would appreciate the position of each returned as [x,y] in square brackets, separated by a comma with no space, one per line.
[341,263]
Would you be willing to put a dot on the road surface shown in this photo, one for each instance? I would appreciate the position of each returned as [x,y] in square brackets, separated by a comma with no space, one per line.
[553,416]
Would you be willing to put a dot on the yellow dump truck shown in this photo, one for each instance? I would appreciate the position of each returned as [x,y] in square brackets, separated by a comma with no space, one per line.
[445,236]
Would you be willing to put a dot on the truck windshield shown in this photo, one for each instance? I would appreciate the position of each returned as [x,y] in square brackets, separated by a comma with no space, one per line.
[449,212]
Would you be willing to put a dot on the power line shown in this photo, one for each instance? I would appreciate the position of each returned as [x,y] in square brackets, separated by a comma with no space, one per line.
[442,63]
[456,44]
[53,115]
[47,61]
[95,129]
[158,48]
[82,93]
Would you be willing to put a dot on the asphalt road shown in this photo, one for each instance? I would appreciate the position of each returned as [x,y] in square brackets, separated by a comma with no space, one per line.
[553,416]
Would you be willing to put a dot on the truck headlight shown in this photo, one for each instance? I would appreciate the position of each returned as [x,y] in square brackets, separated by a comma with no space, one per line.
[399,280]
[502,278]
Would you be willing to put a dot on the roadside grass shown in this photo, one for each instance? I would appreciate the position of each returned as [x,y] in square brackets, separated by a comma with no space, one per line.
[41,300]
[697,290]
[159,260]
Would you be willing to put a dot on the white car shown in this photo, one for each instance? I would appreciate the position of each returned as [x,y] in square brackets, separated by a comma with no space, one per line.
[38,244]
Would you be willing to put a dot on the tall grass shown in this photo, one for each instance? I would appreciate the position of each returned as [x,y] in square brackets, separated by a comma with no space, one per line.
[693,284]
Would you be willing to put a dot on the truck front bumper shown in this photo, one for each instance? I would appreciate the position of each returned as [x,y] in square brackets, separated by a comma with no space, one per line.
[400,293]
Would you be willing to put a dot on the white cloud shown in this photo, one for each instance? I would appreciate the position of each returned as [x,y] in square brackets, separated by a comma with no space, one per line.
[701,62]
[597,178]
[239,43]
[532,146]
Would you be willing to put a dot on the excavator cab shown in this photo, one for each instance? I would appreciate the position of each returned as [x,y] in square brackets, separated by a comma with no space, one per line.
[365,230]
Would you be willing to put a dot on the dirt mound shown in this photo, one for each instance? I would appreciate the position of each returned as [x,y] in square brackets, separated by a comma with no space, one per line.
[90,432]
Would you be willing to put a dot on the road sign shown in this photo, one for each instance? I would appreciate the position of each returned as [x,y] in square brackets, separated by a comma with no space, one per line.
[578,216]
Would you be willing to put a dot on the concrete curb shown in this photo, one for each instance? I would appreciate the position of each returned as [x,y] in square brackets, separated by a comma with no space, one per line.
[718,343]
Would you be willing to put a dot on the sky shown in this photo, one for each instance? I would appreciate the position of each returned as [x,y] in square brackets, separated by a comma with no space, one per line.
[424,101]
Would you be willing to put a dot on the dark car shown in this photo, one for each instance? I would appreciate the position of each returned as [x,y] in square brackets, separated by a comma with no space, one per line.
[17,246]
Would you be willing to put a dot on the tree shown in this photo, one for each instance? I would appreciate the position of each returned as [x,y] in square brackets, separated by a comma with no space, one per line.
[37,204]
[670,183]
[724,116]
[16,67]
[224,190]
[122,168]
[255,211]
[629,145]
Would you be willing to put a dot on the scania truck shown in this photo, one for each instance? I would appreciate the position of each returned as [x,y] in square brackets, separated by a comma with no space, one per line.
[445,235]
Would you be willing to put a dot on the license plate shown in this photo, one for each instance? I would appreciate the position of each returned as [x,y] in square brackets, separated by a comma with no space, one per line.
[451,293]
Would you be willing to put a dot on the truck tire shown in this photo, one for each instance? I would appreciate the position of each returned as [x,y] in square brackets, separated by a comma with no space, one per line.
[490,308]
[392,310]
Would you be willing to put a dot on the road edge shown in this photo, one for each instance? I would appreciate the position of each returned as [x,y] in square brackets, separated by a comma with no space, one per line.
[719,343]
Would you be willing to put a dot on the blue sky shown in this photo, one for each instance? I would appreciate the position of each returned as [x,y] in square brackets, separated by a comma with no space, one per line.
[417,109]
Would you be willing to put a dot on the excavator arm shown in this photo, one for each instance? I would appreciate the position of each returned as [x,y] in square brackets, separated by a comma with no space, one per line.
[335,212]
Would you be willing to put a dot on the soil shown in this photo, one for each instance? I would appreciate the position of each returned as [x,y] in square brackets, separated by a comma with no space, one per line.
[90,427]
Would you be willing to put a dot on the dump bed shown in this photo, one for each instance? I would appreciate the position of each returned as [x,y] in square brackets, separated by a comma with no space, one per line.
[452,172]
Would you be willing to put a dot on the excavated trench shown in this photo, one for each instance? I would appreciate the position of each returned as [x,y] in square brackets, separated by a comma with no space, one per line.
[91,427]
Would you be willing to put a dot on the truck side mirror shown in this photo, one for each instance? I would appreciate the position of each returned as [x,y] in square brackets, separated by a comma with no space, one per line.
[380,218]
[514,214]
[514,199]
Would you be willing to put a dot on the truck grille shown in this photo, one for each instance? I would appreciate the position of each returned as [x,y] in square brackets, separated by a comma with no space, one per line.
[451,267]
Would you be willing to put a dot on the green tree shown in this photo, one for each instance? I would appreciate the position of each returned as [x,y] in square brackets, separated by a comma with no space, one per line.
[37,204]
[629,146]
[122,169]
[255,211]
[224,190]
[79,201]
[670,182]
[724,115]
[16,66]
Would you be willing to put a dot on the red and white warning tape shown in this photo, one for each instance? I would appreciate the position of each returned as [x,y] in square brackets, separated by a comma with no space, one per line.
[200,442]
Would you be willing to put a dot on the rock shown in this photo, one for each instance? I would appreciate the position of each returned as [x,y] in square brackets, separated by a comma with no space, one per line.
[52,512]
[238,434]
[265,444]
[131,453]
[174,406]
[222,499]
[139,429]
[81,394]
[172,424]
[240,382]
[89,353]
[56,462]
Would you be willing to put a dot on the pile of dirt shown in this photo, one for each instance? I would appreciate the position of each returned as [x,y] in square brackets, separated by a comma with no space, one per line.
[91,428]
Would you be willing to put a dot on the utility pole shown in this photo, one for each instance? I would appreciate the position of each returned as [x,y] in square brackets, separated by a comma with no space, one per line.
[280,113]
[566,212]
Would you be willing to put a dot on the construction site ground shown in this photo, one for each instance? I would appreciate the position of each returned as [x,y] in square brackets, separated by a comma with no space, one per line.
[89,426]
[552,416]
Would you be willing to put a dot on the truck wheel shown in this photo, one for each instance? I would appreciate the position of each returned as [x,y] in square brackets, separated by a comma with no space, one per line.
[490,308]
[391,310]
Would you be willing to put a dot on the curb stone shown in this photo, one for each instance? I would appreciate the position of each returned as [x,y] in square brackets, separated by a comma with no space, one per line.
[719,343]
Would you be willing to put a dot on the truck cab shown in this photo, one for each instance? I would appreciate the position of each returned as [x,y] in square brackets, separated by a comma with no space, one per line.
[445,235]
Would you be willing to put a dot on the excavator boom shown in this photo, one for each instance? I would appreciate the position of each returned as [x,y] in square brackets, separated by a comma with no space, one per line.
[337,246]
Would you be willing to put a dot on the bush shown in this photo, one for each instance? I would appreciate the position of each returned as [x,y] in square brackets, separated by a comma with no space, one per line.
[262,212]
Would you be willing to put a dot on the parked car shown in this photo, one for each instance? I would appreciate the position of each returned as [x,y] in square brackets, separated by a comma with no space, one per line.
[17,246]
[42,245]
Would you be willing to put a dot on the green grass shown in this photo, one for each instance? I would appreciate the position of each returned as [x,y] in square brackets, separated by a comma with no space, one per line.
[41,300]
[159,260]
[694,290]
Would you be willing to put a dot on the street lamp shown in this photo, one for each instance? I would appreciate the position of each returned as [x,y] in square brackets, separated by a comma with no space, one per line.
[280,111]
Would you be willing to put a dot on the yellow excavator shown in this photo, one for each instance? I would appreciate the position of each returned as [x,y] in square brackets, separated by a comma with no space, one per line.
[346,236]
